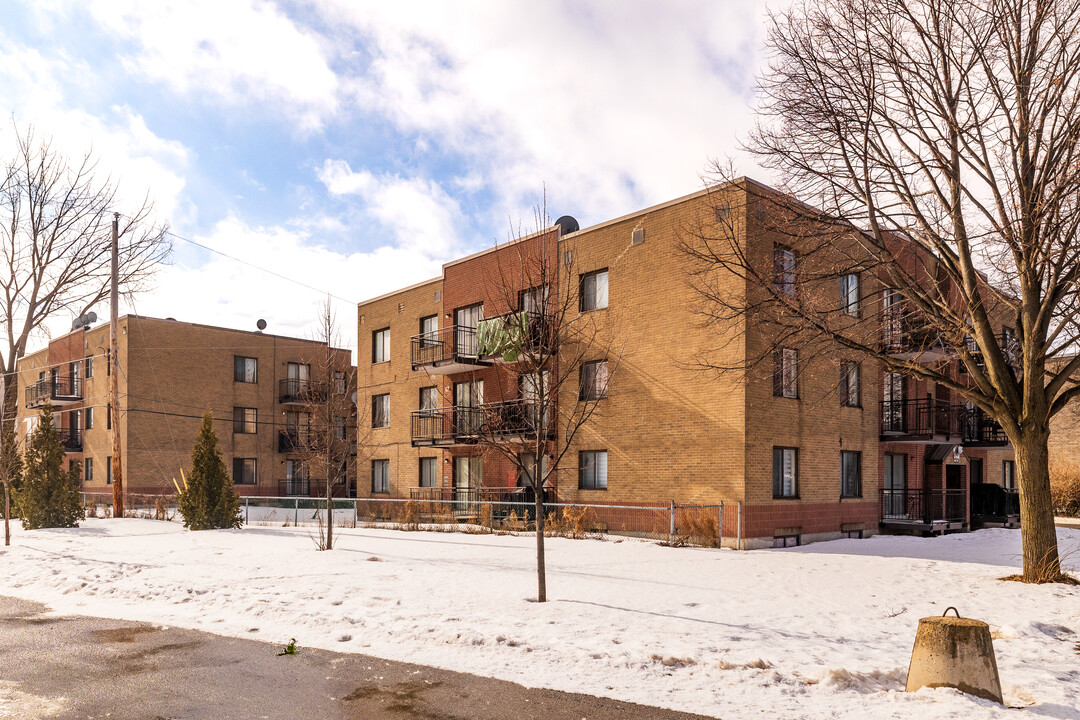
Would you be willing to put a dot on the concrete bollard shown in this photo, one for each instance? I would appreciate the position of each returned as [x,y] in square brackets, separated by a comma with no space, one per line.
[955,652]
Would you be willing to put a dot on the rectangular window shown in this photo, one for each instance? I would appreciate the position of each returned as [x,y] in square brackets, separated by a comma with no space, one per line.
[534,300]
[429,399]
[380,411]
[244,471]
[784,271]
[850,390]
[380,476]
[593,468]
[339,428]
[785,472]
[88,418]
[429,331]
[1008,474]
[850,474]
[108,416]
[594,290]
[849,294]
[786,373]
[339,382]
[245,369]
[245,421]
[785,541]
[108,470]
[429,468]
[108,361]
[89,466]
[892,320]
[594,380]
[380,346]
[89,366]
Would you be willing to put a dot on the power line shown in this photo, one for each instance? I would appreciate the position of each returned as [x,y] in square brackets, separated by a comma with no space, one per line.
[260,268]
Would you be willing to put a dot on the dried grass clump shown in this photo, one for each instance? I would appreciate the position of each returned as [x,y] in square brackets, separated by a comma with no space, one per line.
[1046,571]
[1065,489]
[698,526]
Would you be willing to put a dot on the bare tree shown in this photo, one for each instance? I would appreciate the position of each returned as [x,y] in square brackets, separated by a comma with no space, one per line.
[326,440]
[553,366]
[55,223]
[934,144]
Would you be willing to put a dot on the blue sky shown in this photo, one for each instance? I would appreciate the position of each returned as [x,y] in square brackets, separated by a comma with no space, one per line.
[358,146]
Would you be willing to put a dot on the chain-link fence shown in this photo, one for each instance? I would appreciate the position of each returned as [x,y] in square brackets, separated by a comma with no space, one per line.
[700,525]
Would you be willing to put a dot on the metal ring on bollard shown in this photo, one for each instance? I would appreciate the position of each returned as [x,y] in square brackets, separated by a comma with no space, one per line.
[948,609]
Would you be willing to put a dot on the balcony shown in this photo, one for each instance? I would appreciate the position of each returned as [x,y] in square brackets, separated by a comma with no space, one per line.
[1010,348]
[504,338]
[293,440]
[925,420]
[450,426]
[923,510]
[446,351]
[994,505]
[981,430]
[303,487]
[293,391]
[906,338]
[58,390]
[70,439]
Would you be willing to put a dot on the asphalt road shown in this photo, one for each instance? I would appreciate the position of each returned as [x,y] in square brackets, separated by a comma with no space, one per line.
[82,667]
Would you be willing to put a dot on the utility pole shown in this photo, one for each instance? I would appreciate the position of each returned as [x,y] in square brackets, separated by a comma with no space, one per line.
[114,372]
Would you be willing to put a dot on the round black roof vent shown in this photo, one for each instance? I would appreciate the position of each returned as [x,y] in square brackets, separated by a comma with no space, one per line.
[567,224]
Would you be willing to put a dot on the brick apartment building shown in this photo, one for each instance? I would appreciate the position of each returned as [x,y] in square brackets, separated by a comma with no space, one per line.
[262,390]
[810,449]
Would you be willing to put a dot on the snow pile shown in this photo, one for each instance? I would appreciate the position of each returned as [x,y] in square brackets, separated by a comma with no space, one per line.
[821,631]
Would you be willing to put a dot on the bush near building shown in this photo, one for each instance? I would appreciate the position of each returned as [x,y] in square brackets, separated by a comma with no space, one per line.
[207,500]
[48,495]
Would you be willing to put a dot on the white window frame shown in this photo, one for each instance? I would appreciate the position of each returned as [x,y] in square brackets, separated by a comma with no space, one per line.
[380,346]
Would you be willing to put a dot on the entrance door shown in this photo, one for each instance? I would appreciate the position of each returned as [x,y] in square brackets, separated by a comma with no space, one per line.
[468,407]
[954,489]
[468,476]
[466,319]
[895,486]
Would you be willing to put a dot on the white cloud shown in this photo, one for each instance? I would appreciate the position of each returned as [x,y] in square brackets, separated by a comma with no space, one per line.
[33,89]
[210,288]
[235,52]
[610,106]
[418,213]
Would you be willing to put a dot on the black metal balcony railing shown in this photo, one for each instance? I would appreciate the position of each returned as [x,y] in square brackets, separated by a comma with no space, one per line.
[979,429]
[292,440]
[61,389]
[905,334]
[461,425]
[71,439]
[305,487]
[455,343]
[993,503]
[461,344]
[293,390]
[922,417]
[924,506]
[1010,348]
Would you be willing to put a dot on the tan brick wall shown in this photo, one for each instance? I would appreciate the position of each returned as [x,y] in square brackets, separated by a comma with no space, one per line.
[171,372]
[401,312]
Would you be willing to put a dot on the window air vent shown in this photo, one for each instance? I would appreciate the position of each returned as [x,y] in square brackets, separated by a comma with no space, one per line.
[637,236]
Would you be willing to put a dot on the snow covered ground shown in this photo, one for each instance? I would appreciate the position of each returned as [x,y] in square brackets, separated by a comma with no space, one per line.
[821,631]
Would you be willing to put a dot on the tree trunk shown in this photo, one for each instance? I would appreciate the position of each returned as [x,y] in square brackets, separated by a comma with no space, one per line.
[1041,561]
[541,568]
[7,514]
[329,513]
